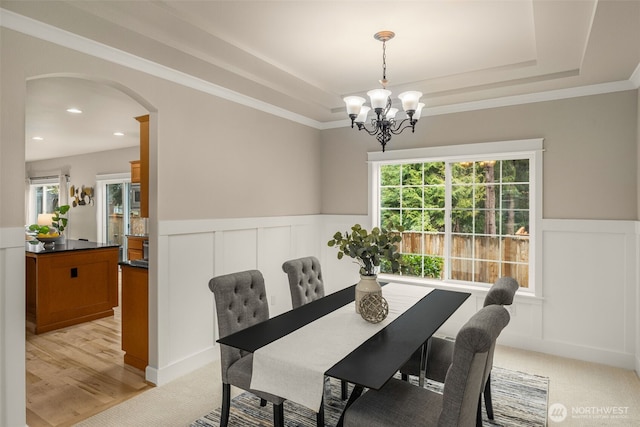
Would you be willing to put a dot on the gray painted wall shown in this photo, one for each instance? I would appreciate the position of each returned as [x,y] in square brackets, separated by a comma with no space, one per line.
[590,159]
[211,158]
[82,170]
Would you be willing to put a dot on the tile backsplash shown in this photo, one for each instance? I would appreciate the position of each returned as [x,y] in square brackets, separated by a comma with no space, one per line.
[139,225]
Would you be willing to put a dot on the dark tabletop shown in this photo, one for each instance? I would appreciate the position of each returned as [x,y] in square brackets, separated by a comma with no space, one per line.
[374,362]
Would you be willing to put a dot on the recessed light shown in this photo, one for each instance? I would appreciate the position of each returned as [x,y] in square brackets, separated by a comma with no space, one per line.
[74,111]
[38,138]
[118,134]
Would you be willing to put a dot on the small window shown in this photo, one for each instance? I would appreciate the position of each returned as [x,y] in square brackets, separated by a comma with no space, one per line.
[44,195]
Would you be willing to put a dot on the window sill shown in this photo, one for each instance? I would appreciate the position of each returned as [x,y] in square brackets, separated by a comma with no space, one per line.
[523,295]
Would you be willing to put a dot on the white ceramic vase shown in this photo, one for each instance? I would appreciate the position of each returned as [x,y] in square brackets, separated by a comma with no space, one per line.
[366,285]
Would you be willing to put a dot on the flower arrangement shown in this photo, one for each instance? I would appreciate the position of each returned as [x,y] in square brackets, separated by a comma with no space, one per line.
[370,248]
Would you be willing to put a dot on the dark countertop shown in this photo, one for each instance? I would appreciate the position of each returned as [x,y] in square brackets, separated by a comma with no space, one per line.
[136,263]
[68,245]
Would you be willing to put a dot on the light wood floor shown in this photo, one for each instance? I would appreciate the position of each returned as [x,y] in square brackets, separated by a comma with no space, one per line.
[76,372]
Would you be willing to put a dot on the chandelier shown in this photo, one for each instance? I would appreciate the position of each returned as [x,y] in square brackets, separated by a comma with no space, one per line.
[384,123]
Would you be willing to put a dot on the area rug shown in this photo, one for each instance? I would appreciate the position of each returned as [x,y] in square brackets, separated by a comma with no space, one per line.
[519,399]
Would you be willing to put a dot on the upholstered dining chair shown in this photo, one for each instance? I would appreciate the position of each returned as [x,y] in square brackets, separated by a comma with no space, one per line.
[305,280]
[399,403]
[241,301]
[440,353]
[306,285]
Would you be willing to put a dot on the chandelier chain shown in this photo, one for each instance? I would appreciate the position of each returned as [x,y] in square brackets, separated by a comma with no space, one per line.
[384,63]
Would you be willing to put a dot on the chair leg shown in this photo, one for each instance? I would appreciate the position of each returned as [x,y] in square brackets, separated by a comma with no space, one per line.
[226,403]
[320,415]
[327,389]
[479,412]
[345,389]
[404,377]
[278,415]
[487,398]
[263,402]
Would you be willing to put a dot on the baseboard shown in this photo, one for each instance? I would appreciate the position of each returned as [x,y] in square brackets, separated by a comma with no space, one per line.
[182,367]
[571,351]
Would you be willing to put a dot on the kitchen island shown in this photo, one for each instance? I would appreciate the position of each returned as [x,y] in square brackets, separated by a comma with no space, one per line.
[70,283]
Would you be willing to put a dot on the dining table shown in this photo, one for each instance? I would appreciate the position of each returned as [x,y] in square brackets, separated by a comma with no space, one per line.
[367,361]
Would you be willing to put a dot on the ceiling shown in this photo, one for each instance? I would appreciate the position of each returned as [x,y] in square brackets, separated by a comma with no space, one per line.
[304,56]
[105,110]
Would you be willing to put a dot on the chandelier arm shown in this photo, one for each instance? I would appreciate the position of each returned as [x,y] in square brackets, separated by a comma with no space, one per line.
[375,130]
[398,129]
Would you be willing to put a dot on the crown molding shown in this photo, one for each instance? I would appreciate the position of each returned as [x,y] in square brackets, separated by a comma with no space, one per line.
[529,98]
[635,77]
[78,43]
[73,41]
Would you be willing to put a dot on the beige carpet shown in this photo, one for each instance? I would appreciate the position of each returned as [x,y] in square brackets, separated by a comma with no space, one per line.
[174,404]
[572,383]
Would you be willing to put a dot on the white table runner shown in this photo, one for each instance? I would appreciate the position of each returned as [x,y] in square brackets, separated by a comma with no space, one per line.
[293,367]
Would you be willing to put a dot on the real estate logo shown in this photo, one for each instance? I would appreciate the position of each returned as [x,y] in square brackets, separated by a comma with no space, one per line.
[557,412]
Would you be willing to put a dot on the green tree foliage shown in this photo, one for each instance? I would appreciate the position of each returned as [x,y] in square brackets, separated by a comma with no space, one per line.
[487,198]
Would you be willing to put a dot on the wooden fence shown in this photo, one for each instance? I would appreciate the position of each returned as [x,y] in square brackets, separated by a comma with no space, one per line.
[494,256]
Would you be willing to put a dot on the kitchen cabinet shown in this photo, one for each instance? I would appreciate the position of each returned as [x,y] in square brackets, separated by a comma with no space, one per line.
[135,315]
[135,171]
[135,247]
[144,165]
[71,283]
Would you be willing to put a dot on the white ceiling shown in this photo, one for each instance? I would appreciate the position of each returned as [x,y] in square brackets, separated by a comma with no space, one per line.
[304,56]
[105,110]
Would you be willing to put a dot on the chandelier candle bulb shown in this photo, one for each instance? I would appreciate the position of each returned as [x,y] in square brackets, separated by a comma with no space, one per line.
[362,117]
[378,98]
[418,112]
[354,104]
[410,100]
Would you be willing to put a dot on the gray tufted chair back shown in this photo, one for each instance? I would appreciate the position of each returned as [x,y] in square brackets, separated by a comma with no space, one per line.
[241,301]
[464,380]
[305,280]
[502,292]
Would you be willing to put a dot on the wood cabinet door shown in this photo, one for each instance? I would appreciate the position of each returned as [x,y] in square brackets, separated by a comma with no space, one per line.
[135,316]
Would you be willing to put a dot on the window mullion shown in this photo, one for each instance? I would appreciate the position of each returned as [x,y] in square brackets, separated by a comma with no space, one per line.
[447,220]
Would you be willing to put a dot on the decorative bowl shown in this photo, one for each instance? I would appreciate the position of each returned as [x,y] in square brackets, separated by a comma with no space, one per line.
[50,239]
[50,242]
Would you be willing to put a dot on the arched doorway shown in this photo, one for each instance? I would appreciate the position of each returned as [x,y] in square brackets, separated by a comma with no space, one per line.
[80,146]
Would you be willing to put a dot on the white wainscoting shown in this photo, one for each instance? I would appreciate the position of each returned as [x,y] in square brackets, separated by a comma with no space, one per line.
[589,305]
[638,298]
[590,290]
[192,252]
[588,309]
[12,327]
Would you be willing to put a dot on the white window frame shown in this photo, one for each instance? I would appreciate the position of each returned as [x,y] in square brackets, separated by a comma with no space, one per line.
[502,150]
[32,215]
[101,188]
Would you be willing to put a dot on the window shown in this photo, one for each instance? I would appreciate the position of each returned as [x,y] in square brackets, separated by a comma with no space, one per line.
[467,218]
[44,194]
